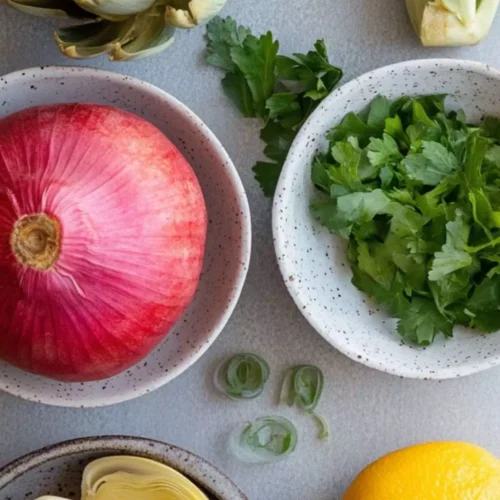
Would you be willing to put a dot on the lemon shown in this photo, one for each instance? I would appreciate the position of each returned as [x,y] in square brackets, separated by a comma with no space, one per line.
[432,471]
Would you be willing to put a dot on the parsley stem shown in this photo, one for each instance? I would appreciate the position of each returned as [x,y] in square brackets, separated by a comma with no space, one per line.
[492,243]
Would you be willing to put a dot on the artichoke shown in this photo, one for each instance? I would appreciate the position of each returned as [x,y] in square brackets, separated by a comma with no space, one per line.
[123,29]
[134,478]
[188,14]
[452,22]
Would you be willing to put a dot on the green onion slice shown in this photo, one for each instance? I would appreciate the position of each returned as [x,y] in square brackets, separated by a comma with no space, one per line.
[302,387]
[324,431]
[266,440]
[242,377]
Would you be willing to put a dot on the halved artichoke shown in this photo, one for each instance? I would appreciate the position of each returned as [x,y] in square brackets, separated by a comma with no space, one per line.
[134,478]
[124,29]
[452,22]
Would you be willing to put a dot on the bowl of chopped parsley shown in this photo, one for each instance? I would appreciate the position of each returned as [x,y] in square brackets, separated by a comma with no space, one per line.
[386,219]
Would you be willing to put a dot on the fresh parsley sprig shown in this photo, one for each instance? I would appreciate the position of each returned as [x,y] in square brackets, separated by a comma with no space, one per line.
[281,91]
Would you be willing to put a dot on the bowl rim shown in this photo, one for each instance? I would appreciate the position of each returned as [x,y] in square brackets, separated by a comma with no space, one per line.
[87,72]
[108,444]
[281,198]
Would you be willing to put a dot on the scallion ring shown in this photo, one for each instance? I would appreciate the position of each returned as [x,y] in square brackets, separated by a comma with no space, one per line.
[266,440]
[302,387]
[242,377]
[324,430]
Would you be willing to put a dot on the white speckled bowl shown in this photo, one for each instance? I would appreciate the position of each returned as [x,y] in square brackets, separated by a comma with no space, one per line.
[314,263]
[57,469]
[227,252]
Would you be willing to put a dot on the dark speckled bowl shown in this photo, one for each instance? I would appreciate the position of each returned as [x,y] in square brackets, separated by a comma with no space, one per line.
[57,470]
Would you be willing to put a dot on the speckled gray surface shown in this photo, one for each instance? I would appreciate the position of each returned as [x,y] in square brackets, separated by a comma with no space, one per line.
[370,412]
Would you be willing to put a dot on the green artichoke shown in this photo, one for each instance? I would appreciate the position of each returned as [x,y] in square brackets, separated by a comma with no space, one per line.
[123,29]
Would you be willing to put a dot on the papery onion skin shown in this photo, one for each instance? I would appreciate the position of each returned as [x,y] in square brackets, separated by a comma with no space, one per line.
[133,226]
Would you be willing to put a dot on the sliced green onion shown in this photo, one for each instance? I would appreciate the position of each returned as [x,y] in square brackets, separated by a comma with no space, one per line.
[302,387]
[324,431]
[266,440]
[242,377]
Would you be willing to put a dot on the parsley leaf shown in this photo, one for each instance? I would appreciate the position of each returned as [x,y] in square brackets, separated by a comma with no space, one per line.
[439,157]
[223,34]
[239,92]
[477,148]
[363,207]
[485,305]
[491,127]
[451,289]
[383,151]
[256,60]
[267,175]
[432,165]
[393,298]
[282,91]
[394,128]
[422,321]
[454,254]
[380,110]
[325,211]
[375,261]
[346,173]
[283,104]
[352,126]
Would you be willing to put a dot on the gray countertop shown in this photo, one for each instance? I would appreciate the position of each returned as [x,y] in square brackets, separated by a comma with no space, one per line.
[370,413]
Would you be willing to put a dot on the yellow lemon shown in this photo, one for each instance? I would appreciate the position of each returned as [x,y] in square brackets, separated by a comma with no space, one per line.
[432,471]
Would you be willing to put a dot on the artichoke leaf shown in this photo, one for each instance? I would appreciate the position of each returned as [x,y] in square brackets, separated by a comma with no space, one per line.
[191,13]
[458,23]
[114,9]
[135,478]
[148,35]
[90,40]
[50,8]
[465,10]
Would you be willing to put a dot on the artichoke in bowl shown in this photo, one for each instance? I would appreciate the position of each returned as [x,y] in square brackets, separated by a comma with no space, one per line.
[133,478]
[123,29]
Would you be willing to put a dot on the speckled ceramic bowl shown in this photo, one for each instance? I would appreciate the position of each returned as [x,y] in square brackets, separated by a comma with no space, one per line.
[314,263]
[58,469]
[228,242]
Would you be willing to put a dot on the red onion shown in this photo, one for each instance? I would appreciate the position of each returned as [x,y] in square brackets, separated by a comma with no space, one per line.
[102,234]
